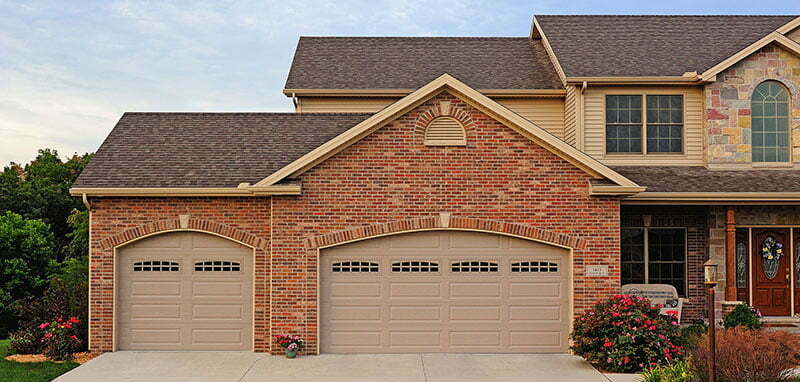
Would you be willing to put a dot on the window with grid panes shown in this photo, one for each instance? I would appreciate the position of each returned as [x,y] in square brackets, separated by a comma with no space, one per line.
[664,123]
[654,256]
[624,123]
[770,123]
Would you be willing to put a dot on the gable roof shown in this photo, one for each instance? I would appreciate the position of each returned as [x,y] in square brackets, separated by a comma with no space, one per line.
[205,150]
[650,46]
[407,63]
[618,183]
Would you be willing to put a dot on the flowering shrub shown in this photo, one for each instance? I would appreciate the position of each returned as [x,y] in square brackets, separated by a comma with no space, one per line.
[291,343]
[626,334]
[59,340]
[25,341]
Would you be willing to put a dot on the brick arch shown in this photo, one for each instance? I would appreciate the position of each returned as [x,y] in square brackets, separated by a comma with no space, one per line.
[443,109]
[172,225]
[444,221]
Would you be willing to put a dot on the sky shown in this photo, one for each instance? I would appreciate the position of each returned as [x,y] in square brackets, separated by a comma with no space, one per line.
[70,68]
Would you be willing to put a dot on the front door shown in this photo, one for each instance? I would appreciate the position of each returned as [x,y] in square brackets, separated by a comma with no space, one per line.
[771,258]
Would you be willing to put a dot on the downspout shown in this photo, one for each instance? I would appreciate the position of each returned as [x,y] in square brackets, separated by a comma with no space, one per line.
[295,102]
[581,110]
[86,202]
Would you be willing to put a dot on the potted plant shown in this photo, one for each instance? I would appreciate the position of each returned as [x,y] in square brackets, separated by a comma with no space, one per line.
[290,344]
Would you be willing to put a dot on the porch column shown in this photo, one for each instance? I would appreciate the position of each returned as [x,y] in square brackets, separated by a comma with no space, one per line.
[730,256]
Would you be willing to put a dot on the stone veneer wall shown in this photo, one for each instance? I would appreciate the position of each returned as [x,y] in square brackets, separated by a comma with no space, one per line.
[727,115]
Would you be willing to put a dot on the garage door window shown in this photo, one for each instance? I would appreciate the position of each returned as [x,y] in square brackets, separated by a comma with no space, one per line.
[155,266]
[217,266]
[415,266]
[534,266]
[354,267]
[474,266]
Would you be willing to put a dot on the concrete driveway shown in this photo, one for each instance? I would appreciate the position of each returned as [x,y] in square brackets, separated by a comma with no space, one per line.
[131,366]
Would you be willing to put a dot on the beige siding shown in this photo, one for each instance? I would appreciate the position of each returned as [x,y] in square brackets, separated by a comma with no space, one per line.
[594,126]
[547,113]
[343,104]
[571,116]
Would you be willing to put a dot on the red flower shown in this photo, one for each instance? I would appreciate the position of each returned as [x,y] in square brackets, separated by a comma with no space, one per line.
[44,325]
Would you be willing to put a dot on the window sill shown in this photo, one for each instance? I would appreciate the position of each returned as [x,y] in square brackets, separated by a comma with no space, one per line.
[772,164]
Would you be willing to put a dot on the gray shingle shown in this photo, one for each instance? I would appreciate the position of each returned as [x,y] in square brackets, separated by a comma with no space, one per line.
[599,45]
[411,62]
[207,149]
[701,179]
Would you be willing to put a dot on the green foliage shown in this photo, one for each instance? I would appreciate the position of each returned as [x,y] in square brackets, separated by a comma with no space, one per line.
[30,372]
[26,248]
[626,334]
[78,245]
[40,190]
[744,316]
[690,335]
[675,372]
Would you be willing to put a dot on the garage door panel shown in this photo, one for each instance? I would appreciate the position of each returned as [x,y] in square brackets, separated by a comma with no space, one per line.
[210,309]
[445,291]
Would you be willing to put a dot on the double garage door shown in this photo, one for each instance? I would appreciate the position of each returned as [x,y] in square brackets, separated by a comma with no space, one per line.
[184,291]
[444,291]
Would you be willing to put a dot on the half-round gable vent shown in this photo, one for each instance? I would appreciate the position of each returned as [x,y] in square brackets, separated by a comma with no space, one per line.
[445,131]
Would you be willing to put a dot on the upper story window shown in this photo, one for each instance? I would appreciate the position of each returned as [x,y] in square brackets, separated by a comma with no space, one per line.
[770,122]
[627,116]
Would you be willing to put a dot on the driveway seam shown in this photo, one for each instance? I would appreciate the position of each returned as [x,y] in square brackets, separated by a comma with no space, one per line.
[251,367]
[424,372]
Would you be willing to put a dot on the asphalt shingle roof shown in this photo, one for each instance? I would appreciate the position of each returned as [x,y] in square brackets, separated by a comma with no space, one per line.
[701,179]
[626,46]
[411,62]
[207,149]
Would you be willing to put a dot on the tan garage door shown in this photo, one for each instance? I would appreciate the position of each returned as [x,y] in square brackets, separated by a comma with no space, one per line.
[444,291]
[185,291]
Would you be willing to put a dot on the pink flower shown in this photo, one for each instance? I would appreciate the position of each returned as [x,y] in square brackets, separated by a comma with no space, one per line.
[44,325]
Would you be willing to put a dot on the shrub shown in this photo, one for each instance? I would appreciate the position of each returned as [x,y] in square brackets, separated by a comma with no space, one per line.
[675,372]
[25,341]
[748,355]
[626,334]
[690,335]
[59,340]
[743,315]
[61,299]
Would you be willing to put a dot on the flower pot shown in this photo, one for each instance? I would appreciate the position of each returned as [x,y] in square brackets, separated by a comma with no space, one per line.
[291,353]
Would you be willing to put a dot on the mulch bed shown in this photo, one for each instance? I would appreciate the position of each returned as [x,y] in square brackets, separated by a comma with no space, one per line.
[80,358]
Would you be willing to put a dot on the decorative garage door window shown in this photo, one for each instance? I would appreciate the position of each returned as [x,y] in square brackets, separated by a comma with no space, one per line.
[217,266]
[415,266]
[156,266]
[534,266]
[474,266]
[354,266]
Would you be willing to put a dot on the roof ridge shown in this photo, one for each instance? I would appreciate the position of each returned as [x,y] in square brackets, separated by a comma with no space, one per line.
[238,113]
[664,15]
[421,37]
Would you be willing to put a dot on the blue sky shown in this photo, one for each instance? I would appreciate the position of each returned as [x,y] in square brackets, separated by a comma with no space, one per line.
[69,69]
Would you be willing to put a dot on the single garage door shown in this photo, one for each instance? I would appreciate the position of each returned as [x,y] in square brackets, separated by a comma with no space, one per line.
[185,291]
[444,291]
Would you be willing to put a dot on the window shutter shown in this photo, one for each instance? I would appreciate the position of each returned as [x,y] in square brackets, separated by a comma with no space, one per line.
[445,131]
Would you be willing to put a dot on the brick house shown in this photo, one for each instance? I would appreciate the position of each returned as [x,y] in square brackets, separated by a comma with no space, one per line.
[457,194]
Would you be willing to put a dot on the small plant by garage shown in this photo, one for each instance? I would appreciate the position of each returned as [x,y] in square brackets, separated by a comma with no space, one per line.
[59,340]
[626,333]
[291,344]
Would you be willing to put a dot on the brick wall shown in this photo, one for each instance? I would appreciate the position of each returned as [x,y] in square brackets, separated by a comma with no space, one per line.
[727,116]
[117,220]
[391,175]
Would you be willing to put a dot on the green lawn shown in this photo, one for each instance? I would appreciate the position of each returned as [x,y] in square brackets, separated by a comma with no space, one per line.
[30,372]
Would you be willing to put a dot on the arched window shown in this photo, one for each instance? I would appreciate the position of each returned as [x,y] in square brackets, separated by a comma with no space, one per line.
[770,122]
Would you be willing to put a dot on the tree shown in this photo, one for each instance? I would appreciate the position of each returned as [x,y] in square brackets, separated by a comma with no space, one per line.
[26,252]
[40,190]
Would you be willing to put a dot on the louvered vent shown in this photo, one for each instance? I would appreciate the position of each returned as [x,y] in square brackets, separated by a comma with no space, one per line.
[445,131]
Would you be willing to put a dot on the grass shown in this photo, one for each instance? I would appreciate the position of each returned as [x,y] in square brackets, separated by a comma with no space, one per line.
[30,372]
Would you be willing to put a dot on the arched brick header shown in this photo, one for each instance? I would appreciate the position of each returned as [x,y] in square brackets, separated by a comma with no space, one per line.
[444,221]
[190,225]
[442,109]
